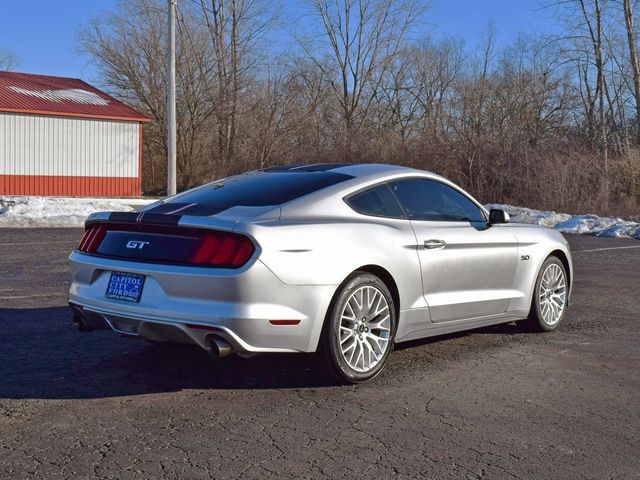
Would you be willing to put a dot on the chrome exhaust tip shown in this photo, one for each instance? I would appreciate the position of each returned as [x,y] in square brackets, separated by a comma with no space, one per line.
[79,319]
[80,323]
[219,347]
[86,320]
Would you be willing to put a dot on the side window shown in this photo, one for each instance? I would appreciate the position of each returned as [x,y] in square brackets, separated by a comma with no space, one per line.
[424,199]
[377,201]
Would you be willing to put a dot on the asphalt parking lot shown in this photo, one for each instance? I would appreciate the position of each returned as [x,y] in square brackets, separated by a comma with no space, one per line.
[493,403]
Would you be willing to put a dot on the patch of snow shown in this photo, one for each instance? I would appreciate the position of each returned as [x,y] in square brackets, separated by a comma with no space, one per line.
[563,222]
[536,217]
[25,211]
[59,211]
[77,95]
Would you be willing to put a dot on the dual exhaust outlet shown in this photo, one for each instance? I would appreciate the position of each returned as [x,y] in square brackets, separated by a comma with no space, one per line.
[86,322]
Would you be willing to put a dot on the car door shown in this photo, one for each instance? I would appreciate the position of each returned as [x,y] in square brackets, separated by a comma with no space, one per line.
[468,267]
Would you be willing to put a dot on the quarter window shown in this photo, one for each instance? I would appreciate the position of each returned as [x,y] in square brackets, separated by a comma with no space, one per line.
[424,199]
[377,201]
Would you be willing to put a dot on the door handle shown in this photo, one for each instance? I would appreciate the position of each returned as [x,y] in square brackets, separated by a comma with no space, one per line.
[434,244]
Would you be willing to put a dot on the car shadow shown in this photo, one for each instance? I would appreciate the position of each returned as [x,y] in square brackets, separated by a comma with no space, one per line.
[42,356]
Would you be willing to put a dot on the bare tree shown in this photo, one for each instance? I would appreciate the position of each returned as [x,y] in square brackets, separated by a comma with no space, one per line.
[268,130]
[312,117]
[415,90]
[633,59]
[234,28]
[593,18]
[588,40]
[128,48]
[8,59]
[543,123]
[359,40]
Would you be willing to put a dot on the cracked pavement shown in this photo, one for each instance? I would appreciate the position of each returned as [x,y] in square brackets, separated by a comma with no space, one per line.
[492,403]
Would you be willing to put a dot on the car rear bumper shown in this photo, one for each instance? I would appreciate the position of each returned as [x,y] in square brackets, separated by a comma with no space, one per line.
[192,304]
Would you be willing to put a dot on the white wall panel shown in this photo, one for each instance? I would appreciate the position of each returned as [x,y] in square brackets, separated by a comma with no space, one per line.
[41,145]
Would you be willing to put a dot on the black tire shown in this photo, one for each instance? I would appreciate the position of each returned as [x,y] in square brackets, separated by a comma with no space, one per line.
[535,322]
[330,340]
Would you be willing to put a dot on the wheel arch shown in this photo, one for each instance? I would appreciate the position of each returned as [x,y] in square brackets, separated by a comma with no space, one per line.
[386,278]
[327,348]
[380,272]
[560,255]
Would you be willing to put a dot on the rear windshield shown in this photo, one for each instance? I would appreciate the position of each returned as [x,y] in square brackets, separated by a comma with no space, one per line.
[258,189]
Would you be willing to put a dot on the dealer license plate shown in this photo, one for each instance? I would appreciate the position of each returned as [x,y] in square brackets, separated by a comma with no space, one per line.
[125,286]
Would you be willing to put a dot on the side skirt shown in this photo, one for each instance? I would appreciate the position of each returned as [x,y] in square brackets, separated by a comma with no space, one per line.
[435,329]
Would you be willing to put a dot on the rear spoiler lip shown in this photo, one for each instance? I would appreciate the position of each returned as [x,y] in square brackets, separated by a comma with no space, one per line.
[143,218]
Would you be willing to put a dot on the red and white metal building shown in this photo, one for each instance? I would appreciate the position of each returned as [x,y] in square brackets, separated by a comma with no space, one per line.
[62,137]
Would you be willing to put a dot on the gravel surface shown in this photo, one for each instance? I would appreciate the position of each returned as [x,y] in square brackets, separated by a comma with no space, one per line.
[492,403]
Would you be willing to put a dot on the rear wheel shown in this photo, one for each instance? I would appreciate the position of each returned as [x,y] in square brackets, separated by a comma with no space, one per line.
[549,301]
[359,329]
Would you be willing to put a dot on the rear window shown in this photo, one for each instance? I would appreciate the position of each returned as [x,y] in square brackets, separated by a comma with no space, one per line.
[258,189]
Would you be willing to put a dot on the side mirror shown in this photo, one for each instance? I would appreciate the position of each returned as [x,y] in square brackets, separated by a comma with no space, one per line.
[498,216]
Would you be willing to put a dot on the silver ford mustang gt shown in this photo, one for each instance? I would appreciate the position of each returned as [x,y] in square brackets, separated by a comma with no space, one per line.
[347,259]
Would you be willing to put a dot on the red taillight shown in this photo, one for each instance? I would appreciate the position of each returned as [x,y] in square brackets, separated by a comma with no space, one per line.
[92,238]
[213,248]
[222,249]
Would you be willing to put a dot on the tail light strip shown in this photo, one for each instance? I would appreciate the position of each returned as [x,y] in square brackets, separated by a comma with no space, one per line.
[215,248]
[92,238]
[223,249]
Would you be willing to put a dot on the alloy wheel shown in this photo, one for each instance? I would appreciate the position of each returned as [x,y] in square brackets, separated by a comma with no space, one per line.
[552,294]
[365,328]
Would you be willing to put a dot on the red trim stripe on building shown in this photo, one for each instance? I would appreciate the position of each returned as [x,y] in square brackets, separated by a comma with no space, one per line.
[49,185]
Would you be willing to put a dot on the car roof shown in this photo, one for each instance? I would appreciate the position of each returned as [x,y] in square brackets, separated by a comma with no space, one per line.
[363,175]
[253,194]
[356,170]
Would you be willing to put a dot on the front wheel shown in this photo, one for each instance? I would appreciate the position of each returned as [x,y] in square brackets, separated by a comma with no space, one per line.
[549,301]
[358,335]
